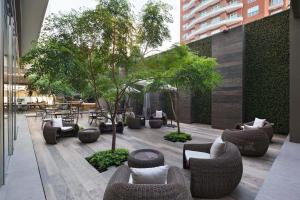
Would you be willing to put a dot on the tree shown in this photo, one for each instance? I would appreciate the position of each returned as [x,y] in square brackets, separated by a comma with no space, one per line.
[86,50]
[181,70]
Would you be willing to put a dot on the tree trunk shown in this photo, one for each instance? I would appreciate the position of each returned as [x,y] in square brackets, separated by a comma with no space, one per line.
[114,135]
[174,111]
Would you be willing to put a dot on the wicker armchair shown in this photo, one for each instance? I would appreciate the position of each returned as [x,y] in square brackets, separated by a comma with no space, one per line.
[118,187]
[267,128]
[51,134]
[250,142]
[107,128]
[134,123]
[214,178]
[164,118]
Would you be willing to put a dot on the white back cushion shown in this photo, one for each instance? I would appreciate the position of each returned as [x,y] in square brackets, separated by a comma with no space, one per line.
[259,123]
[155,175]
[57,122]
[196,154]
[217,148]
[158,114]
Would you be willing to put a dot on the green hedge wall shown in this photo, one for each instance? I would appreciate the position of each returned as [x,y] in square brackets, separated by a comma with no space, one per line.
[201,102]
[266,62]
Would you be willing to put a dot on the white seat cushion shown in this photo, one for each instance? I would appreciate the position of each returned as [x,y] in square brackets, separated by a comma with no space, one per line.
[217,148]
[66,128]
[57,122]
[196,154]
[259,123]
[158,114]
[247,127]
[155,175]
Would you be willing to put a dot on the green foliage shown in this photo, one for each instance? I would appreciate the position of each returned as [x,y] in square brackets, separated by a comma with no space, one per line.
[85,51]
[267,71]
[102,160]
[153,26]
[180,68]
[201,100]
[178,137]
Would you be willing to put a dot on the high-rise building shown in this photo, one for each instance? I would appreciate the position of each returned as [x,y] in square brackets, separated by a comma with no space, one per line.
[202,18]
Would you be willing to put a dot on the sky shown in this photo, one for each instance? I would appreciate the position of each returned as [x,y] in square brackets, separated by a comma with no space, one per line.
[56,6]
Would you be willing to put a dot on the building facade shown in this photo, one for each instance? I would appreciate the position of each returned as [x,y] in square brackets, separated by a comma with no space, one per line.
[202,18]
[20,24]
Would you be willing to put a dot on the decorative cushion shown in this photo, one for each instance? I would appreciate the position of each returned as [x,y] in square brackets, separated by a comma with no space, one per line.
[57,122]
[217,148]
[259,123]
[66,128]
[158,114]
[119,118]
[196,154]
[155,175]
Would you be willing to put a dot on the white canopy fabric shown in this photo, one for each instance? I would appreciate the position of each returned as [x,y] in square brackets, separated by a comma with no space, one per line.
[132,90]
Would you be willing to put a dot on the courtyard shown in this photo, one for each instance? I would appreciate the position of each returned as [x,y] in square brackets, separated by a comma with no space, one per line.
[65,174]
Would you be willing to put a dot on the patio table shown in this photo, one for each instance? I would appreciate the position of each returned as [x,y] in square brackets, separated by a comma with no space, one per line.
[145,158]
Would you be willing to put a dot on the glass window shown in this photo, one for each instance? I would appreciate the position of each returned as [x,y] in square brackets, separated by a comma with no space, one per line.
[215,20]
[276,2]
[253,11]
[233,15]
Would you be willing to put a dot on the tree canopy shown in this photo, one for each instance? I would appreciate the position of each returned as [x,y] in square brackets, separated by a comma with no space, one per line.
[85,51]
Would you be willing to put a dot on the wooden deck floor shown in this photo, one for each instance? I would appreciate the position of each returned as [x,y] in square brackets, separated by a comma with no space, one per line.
[67,175]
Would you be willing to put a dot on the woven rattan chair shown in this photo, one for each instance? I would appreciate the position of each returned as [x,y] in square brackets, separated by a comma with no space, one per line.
[250,142]
[118,187]
[155,123]
[134,123]
[267,128]
[214,178]
[51,134]
[164,118]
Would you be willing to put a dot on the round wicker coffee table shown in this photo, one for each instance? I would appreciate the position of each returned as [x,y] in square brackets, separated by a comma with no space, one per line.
[89,135]
[145,158]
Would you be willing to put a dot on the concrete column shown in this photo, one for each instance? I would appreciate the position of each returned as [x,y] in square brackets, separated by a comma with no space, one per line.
[294,78]
[2,14]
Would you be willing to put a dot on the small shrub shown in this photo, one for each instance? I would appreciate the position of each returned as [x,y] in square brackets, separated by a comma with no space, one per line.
[104,159]
[175,137]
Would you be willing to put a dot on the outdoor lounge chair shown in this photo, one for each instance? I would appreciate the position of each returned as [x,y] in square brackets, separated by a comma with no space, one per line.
[213,178]
[163,118]
[107,128]
[51,134]
[134,122]
[119,187]
[267,128]
[253,142]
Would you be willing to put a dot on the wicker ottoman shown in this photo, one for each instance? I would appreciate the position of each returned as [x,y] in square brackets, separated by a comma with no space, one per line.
[155,123]
[89,135]
[145,158]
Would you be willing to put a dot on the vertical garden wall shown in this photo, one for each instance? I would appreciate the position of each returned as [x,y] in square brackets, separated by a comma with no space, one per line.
[201,101]
[266,74]
[266,83]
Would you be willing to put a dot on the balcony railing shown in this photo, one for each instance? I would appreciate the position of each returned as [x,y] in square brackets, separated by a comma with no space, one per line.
[201,30]
[199,7]
[228,8]
[188,5]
